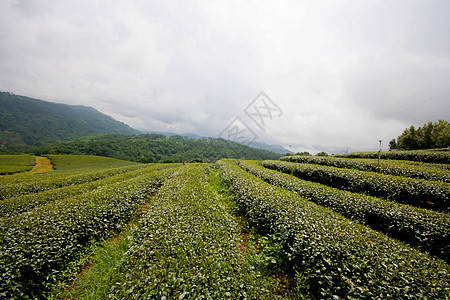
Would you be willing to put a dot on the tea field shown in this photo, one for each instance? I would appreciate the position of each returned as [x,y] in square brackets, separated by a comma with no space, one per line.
[11,164]
[302,227]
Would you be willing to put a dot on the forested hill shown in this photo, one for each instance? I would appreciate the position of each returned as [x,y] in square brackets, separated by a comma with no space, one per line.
[153,148]
[28,121]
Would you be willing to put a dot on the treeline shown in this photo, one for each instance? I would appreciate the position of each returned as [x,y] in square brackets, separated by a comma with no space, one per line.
[429,136]
[151,148]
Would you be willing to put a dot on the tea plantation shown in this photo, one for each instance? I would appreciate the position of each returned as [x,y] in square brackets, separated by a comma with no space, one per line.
[302,227]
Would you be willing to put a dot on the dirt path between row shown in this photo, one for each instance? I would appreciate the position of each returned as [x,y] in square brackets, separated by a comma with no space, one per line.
[43,164]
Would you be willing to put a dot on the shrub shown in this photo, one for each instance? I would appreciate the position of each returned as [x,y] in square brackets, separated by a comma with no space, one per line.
[20,204]
[426,229]
[387,167]
[38,244]
[333,256]
[186,247]
[428,156]
[417,192]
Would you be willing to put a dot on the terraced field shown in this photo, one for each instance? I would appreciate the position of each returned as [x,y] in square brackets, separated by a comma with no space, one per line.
[298,228]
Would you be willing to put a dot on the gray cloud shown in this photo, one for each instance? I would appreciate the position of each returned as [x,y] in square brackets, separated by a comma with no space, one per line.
[409,88]
[345,73]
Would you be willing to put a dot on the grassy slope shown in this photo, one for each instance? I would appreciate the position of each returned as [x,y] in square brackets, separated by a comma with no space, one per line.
[10,164]
[62,163]
[80,163]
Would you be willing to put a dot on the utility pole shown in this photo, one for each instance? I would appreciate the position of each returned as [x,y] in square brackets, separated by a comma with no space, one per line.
[379,154]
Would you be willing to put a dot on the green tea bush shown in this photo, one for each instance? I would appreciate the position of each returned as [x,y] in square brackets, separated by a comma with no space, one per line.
[20,204]
[418,192]
[426,229]
[85,163]
[37,245]
[332,256]
[10,164]
[387,167]
[421,164]
[428,156]
[35,184]
[186,247]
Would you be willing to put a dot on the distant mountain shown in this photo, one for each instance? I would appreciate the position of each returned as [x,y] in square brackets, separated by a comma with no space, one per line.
[169,134]
[28,121]
[274,148]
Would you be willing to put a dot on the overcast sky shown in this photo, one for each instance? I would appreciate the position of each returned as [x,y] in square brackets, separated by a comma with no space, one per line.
[339,75]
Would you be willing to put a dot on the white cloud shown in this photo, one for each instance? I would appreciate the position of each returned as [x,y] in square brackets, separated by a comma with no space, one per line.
[345,73]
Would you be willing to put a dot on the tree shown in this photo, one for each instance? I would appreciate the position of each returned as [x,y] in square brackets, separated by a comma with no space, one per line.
[305,153]
[441,134]
[431,135]
[392,145]
[408,140]
[424,136]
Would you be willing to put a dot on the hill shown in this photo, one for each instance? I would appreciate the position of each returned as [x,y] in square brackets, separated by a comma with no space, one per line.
[28,121]
[152,148]
[256,145]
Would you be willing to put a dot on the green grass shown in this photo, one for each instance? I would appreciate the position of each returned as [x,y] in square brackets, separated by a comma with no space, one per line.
[83,163]
[10,164]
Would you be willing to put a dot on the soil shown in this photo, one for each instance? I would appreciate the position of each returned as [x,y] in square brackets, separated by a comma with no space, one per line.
[43,164]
